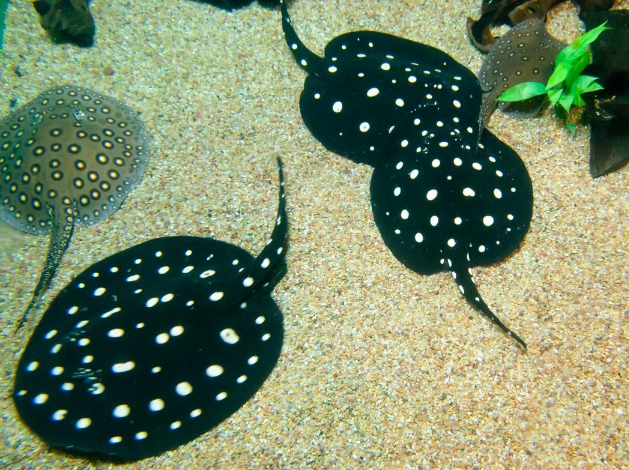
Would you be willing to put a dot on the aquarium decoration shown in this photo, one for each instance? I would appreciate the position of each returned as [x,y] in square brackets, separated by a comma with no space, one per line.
[67,20]
[445,196]
[608,109]
[69,156]
[152,347]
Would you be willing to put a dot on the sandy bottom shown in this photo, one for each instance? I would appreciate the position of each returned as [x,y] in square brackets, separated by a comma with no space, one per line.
[381,367]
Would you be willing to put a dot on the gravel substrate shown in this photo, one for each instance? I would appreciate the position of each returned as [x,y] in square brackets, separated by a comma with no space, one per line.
[381,367]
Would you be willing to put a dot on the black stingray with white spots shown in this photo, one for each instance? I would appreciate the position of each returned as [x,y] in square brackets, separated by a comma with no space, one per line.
[443,197]
[154,346]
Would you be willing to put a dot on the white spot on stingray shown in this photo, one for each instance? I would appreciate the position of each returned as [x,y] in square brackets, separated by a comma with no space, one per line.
[404,214]
[247,282]
[32,366]
[115,439]
[372,92]
[175,425]
[163,270]
[431,195]
[195,413]
[229,336]
[436,162]
[252,360]
[121,367]
[176,330]
[434,220]
[162,338]
[115,333]
[141,435]
[332,69]
[40,399]
[419,237]
[188,252]
[58,370]
[443,144]
[413,174]
[454,88]
[412,78]
[364,126]
[67,386]
[404,143]
[458,220]
[499,173]
[337,107]
[87,359]
[481,248]
[158,254]
[399,102]
[221,396]
[59,415]
[488,220]
[156,405]
[152,302]
[451,242]
[216,296]
[477,166]
[399,165]
[497,193]
[83,423]
[135,277]
[265,263]
[100,291]
[208,273]
[109,313]
[260,320]
[317,96]
[456,103]
[385,66]
[439,124]
[510,216]
[397,191]
[73,310]
[469,192]
[303,62]
[121,411]
[183,389]
[457,161]
[214,370]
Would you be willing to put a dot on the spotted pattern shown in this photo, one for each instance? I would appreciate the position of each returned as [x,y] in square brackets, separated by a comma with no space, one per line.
[69,156]
[131,359]
[526,53]
[445,197]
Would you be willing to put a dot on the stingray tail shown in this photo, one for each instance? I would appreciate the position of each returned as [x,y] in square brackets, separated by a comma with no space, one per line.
[310,61]
[463,276]
[62,226]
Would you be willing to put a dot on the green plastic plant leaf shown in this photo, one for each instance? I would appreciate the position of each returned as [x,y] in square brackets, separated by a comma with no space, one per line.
[559,75]
[523,91]
[566,101]
[578,47]
[572,128]
[581,63]
[554,95]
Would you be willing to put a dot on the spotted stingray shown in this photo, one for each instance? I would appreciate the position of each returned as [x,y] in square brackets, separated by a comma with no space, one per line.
[526,53]
[443,198]
[69,156]
[155,345]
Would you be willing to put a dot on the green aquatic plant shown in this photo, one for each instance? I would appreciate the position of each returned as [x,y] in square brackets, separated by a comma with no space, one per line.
[566,85]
